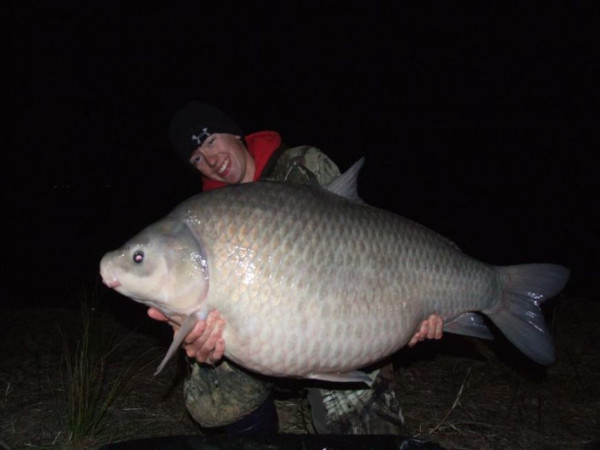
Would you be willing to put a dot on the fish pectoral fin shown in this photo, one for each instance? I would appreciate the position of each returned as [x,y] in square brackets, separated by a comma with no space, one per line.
[469,324]
[346,377]
[185,328]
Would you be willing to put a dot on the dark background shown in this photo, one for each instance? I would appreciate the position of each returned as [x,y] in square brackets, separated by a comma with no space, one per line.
[479,121]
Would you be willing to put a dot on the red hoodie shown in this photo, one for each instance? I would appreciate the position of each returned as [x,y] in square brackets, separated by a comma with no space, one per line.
[261,146]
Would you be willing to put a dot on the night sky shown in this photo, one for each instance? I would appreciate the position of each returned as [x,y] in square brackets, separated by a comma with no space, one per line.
[480,122]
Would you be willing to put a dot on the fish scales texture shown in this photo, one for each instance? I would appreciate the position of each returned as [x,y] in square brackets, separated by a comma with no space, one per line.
[309,282]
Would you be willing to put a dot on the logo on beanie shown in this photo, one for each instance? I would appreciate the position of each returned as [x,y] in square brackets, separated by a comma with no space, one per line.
[200,138]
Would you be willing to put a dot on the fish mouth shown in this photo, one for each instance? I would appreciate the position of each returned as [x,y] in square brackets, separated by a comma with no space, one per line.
[112,283]
[107,274]
[109,280]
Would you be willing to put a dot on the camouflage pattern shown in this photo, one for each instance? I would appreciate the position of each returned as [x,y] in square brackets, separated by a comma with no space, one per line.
[302,165]
[223,394]
[358,411]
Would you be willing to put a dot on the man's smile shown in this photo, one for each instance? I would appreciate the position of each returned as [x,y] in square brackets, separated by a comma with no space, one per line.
[223,170]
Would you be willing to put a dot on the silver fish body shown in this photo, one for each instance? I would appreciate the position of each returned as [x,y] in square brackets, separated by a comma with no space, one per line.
[314,285]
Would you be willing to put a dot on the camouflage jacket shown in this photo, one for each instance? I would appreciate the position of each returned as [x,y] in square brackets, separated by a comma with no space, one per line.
[301,165]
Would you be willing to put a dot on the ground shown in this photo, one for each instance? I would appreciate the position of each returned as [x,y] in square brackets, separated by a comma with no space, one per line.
[459,392]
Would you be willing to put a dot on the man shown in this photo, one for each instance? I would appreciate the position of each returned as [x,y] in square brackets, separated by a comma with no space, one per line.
[224,394]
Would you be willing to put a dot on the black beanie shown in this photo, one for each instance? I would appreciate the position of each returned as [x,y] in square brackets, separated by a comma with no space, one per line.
[193,123]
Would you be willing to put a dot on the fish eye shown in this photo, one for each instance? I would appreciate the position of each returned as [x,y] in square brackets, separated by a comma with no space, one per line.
[138,256]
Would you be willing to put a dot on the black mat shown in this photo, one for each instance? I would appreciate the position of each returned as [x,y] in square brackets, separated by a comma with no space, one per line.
[276,442]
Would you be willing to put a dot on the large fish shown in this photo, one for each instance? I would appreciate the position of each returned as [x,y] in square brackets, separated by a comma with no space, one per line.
[314,283]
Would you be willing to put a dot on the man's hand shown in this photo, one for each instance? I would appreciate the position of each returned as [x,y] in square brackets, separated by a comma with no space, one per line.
[431,328]
[205,341]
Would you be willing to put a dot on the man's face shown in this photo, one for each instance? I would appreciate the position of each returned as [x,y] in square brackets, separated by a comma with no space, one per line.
[222,157]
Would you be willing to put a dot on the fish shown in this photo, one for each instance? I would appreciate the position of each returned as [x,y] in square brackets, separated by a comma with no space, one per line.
[314,283]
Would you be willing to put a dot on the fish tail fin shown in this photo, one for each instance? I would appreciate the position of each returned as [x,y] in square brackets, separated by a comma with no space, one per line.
[518,313]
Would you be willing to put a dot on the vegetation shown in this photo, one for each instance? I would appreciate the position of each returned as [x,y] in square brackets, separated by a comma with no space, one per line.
[89,394]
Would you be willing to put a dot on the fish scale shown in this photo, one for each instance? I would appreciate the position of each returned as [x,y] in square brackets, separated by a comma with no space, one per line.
[324,223]
[312,284]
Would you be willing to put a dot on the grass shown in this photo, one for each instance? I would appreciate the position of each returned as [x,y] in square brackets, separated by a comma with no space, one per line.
[81,375]
[95,381]
[87,398]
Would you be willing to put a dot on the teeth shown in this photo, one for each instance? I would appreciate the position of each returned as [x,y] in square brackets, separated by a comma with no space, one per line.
[223,167]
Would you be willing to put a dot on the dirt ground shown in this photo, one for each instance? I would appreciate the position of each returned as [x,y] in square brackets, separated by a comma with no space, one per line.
[459,392]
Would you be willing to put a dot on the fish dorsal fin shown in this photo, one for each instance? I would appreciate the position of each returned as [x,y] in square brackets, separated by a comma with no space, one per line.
[346,184]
